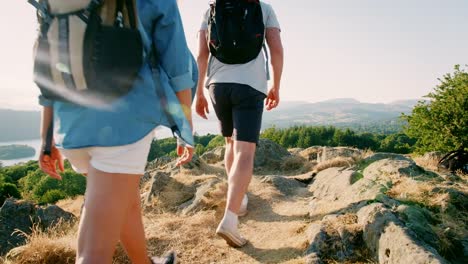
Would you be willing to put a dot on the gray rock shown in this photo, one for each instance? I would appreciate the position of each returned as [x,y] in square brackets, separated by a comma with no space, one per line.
[334,190]
[198,203]
[295,151]
[381,155]
[51,215]
[214,156]
[336,237]
[18,217]
[159,163]
[158,182]
[269,154]
[166,192]
[312,153]
[389,169]
[418,220]
[15,215]
[390,242]
[285,185]
[329,153]
[317,238]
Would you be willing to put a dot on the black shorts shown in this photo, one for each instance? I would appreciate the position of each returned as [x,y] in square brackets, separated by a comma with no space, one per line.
[239,109]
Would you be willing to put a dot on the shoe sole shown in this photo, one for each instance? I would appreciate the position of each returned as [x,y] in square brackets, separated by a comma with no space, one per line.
[229,240]
[242,214]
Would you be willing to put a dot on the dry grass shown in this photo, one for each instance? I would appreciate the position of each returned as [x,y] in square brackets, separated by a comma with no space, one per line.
[427,163]
[296,164]
[72,205]
[450,226]
[337,162]
[56,245]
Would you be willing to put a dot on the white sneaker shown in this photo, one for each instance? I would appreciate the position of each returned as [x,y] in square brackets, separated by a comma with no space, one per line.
[243,209]
[233,238]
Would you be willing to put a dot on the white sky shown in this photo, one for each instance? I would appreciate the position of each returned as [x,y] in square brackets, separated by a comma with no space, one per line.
[374,51]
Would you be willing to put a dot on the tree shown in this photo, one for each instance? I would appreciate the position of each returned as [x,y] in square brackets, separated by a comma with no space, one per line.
[397,143]
[8,190]
[52,196]
[441,123]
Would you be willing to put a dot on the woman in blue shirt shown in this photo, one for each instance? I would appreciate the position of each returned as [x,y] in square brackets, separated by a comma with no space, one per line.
[111,145]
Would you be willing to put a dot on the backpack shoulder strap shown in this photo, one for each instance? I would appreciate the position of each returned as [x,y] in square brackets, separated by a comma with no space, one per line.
[267,66]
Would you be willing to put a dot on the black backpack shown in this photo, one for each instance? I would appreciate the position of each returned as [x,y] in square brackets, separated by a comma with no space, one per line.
[88,52]
[455,160]
[236,31]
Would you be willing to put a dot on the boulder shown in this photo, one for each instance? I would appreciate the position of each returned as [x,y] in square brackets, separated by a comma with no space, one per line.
[205,198]
[52,215]
[269,154]
[336,237]
[286,186]
[382,155]
[312,153]
[159,163]
[295,151]
[214,156]
[389,241]
[336,189]
[17,217]
[166,192]
[329,153]
[389,169]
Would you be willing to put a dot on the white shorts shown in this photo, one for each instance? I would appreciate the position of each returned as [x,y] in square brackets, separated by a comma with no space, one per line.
[125,159]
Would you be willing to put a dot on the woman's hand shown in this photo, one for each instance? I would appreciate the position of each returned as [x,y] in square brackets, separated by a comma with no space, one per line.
[185,155]
[49,163]
[201,106]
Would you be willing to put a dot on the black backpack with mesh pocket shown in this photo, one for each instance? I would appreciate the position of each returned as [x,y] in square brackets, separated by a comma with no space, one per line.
[236,31]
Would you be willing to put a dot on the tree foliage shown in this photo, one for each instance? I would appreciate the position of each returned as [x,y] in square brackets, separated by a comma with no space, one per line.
[441,123]
[8,190]
[37,184]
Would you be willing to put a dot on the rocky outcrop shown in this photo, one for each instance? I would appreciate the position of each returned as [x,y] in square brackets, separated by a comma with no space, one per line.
[382,228]
[206,197]
[390,241]
[214,156]
[269,154]
[166,192]
[286,186]
[321,154]
[18,218]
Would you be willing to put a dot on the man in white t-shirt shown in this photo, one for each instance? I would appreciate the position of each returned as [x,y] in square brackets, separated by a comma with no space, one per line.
[237,92]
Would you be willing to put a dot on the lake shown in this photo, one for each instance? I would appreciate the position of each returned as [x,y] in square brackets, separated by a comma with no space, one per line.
[202,127]
[35,143]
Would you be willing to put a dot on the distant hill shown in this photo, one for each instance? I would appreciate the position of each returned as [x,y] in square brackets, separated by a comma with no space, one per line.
[19,125]
[343,112]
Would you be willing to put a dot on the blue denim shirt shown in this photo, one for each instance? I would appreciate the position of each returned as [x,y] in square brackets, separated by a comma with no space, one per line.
[152,101]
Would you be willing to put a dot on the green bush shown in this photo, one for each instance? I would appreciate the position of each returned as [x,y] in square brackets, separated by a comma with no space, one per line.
[52,196]
[217,141]
[441,123]
[16,172]
[8,190]
[36,184]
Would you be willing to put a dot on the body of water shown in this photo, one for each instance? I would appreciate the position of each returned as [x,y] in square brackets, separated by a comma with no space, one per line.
[35,143]
[202,127]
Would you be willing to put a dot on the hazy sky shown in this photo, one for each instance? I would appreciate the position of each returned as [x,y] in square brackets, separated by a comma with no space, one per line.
[371,50]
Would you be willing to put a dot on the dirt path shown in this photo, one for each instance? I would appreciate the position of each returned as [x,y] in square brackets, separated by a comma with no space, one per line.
[275,227]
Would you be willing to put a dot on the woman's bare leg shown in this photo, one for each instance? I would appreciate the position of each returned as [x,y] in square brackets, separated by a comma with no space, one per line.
[109,197]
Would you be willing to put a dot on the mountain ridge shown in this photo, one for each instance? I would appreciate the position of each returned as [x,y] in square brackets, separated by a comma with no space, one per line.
[340,112]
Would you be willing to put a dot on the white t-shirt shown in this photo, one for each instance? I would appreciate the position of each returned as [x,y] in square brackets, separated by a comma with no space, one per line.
[252,73]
